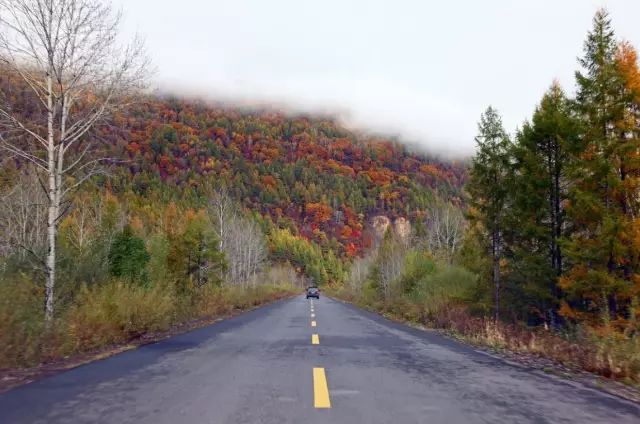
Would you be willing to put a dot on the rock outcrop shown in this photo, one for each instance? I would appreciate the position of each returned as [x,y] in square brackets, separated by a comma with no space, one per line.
[401,227]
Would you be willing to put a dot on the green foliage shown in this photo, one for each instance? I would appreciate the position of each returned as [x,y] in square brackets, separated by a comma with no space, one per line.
[535,218]
[489,183]
[434,286]
[194,256]
[490,169]
[559,206]
[128,256]
[425,290]
[448,286]
[418,265]
[603,196]
[158,251]
[320,266]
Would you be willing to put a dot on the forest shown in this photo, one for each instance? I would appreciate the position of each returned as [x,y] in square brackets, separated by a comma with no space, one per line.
[142,216]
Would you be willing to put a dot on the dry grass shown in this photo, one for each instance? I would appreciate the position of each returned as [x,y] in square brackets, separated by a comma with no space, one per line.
[116,312]
[21,322]
[109,314]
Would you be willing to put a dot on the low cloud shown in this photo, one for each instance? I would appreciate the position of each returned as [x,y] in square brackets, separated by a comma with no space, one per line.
[422,71]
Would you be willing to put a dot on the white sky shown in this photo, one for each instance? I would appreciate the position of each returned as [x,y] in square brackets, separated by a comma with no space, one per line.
[423,70]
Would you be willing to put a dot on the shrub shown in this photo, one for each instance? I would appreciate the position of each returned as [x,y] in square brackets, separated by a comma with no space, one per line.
[615,354]
[116,312]
[444,289]
[21,321]
[418,265]
[128,256]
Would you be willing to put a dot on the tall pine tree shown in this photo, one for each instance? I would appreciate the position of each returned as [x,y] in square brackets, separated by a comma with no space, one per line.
[536,220]
[604,264]
[488,188]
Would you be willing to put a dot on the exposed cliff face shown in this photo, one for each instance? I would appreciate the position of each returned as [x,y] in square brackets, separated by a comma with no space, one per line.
[380,224]
[401,227]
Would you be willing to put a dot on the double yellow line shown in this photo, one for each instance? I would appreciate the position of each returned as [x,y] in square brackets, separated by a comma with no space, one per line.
[320,387]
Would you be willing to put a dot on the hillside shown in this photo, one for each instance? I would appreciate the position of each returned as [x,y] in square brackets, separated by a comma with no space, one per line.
[304,173]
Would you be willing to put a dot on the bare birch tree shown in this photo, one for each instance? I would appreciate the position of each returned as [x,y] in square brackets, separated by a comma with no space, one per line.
[66,53]
[245,248]
[360,271]
[23,211]
[223,210]
[390,261]
[445,229]
[241,239]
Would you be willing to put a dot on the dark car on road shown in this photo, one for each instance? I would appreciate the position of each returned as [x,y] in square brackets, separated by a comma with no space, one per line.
[313,292]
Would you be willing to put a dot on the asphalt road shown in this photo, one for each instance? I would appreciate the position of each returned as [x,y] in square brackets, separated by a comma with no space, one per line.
[265,367]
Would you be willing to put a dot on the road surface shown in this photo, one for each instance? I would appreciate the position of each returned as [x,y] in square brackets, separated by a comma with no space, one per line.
[271,365]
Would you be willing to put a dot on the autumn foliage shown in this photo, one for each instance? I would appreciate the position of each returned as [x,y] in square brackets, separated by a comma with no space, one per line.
[304,173]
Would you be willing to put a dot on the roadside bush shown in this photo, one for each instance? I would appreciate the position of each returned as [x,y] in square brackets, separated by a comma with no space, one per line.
[615,354]
[21,321]
[446,288]
[418,266]
[116,312]
[445,296]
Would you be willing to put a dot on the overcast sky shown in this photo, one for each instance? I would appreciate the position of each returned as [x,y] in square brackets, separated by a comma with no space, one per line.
[422,70]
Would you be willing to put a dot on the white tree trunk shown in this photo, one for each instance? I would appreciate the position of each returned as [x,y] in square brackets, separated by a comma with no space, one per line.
[51,252]
[52,218]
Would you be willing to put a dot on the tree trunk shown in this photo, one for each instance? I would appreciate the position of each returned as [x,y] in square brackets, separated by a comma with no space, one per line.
[51,253]
[53,209]
[496,273]
[558,223]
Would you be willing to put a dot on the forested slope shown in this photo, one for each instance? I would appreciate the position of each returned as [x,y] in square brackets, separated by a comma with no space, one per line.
[308,174]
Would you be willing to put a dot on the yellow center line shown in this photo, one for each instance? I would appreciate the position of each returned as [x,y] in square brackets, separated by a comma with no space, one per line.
[315,339]
[320,389]
[313,323]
